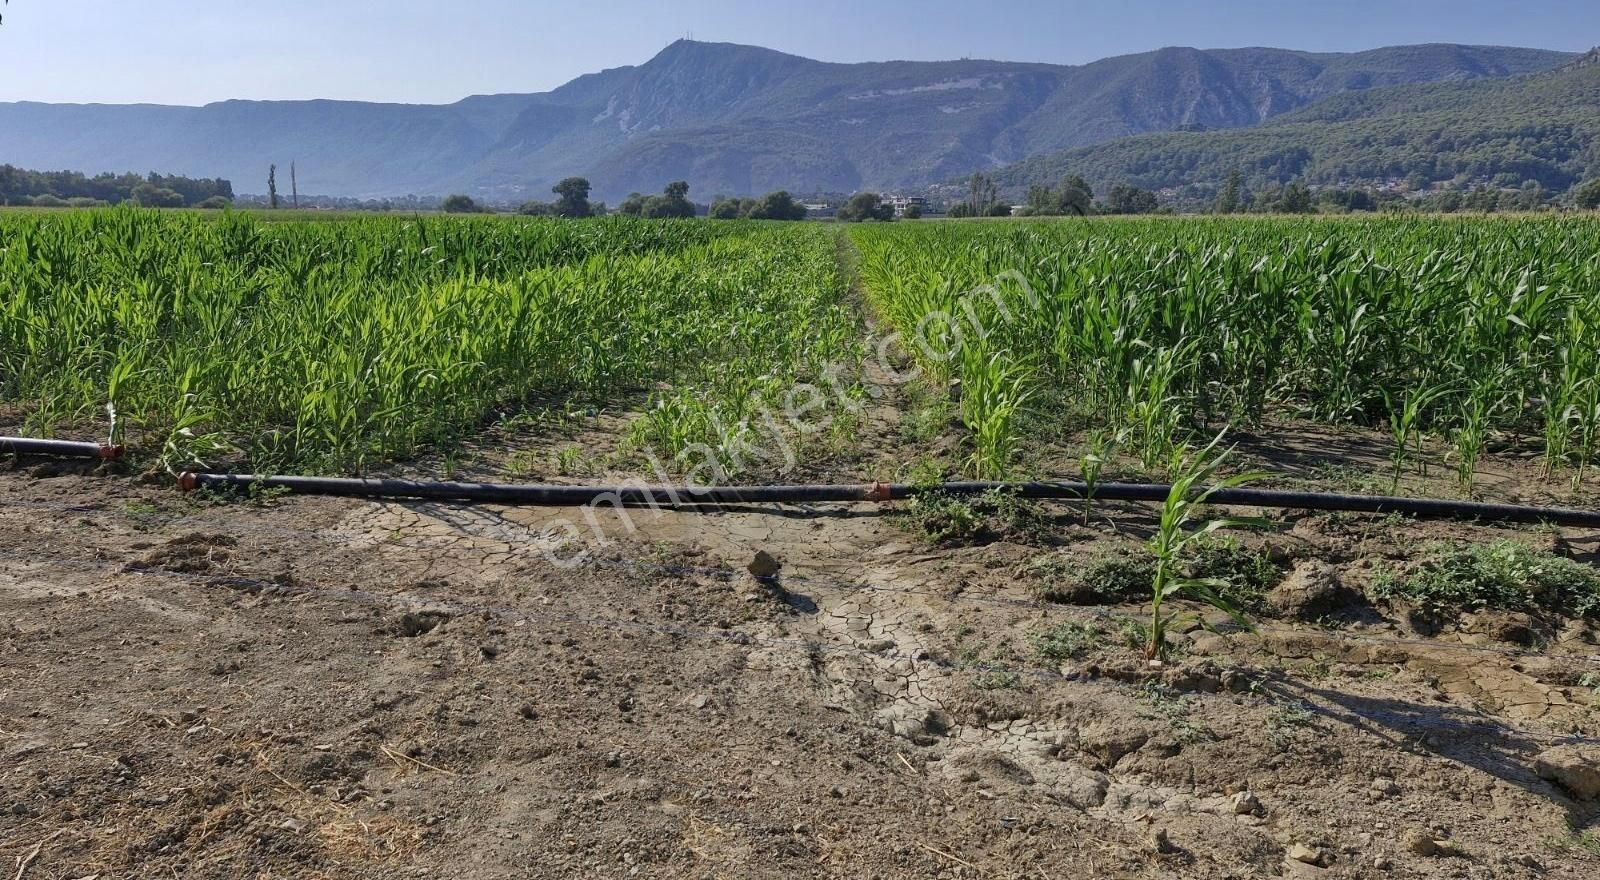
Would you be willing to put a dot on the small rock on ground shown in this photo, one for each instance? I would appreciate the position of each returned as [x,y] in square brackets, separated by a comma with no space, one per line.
[1307,855]
[764,565]
[1418,842]
[1310,591]
[1575,768]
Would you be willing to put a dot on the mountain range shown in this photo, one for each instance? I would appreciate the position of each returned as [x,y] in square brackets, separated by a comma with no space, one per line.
[735,119]
[1537,127]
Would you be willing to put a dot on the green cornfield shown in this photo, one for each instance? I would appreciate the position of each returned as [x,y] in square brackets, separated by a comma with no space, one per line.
[328,347]
[311,346]
[1460,330]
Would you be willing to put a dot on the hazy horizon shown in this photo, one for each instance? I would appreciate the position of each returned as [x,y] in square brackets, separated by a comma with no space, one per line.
[191,53]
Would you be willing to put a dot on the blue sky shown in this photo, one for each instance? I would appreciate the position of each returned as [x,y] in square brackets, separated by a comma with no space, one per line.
[195,51]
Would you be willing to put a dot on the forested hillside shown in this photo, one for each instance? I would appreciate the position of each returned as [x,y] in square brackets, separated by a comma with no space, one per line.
[1540,128]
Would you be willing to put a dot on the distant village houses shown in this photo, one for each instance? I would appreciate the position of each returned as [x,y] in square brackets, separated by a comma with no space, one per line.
[902,203]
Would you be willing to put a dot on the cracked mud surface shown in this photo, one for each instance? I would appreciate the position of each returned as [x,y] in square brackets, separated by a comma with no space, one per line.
[333,688]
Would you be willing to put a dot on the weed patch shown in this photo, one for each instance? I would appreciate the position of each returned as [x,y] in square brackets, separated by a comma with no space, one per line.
[995,515]
[1244,575]
[1503,575]
[1066,641]
[1285,721]
[1174,708]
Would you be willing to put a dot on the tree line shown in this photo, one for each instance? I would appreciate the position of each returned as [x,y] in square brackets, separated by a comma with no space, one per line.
[572,201]
[1297,197]
[58,189]
[1073,196]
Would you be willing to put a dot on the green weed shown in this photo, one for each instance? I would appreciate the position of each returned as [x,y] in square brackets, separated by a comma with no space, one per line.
[1284,722]
[1066,641]
[1501,575]
[1174,708]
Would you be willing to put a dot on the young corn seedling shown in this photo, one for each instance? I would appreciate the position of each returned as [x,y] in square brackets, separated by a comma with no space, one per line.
[992,394]
[1472,435]
[1404,423]
[1102,448]
[1588,418]
[1195,482]
[1152,411]
[1563,385]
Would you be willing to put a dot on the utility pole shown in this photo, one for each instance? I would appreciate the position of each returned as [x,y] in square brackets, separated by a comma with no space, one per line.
[294,186]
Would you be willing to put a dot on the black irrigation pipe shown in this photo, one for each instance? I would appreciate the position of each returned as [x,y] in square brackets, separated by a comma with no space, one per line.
[678,496]
[59,448]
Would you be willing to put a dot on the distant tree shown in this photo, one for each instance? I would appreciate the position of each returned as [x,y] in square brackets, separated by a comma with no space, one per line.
[574,201]
[1042,202]
[1587,195]
[598,209]
[74,187]
[215,203]
[150,196]
[633,205]
[672,203]
[1482,199]
[725,209]
[778,205]
[1230,201]
[959,210]
[459,204]
[1531,196]
[45,200]
[1296,199]
[913,211]
[1128,199]
[866,206]
[1075,196]
[272,186]
[1449,202]
[537,209]
[1000,209]
[1363,200]
[981,194]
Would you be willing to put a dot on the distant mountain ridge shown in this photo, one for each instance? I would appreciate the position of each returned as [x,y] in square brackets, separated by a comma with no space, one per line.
[1538,127]
[729,118]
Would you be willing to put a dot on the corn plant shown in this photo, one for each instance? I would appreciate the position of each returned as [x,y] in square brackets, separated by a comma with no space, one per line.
[1153,413]
[1404,425]
[1472,432]
[1179,527]
[993,391]
[1103,445]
